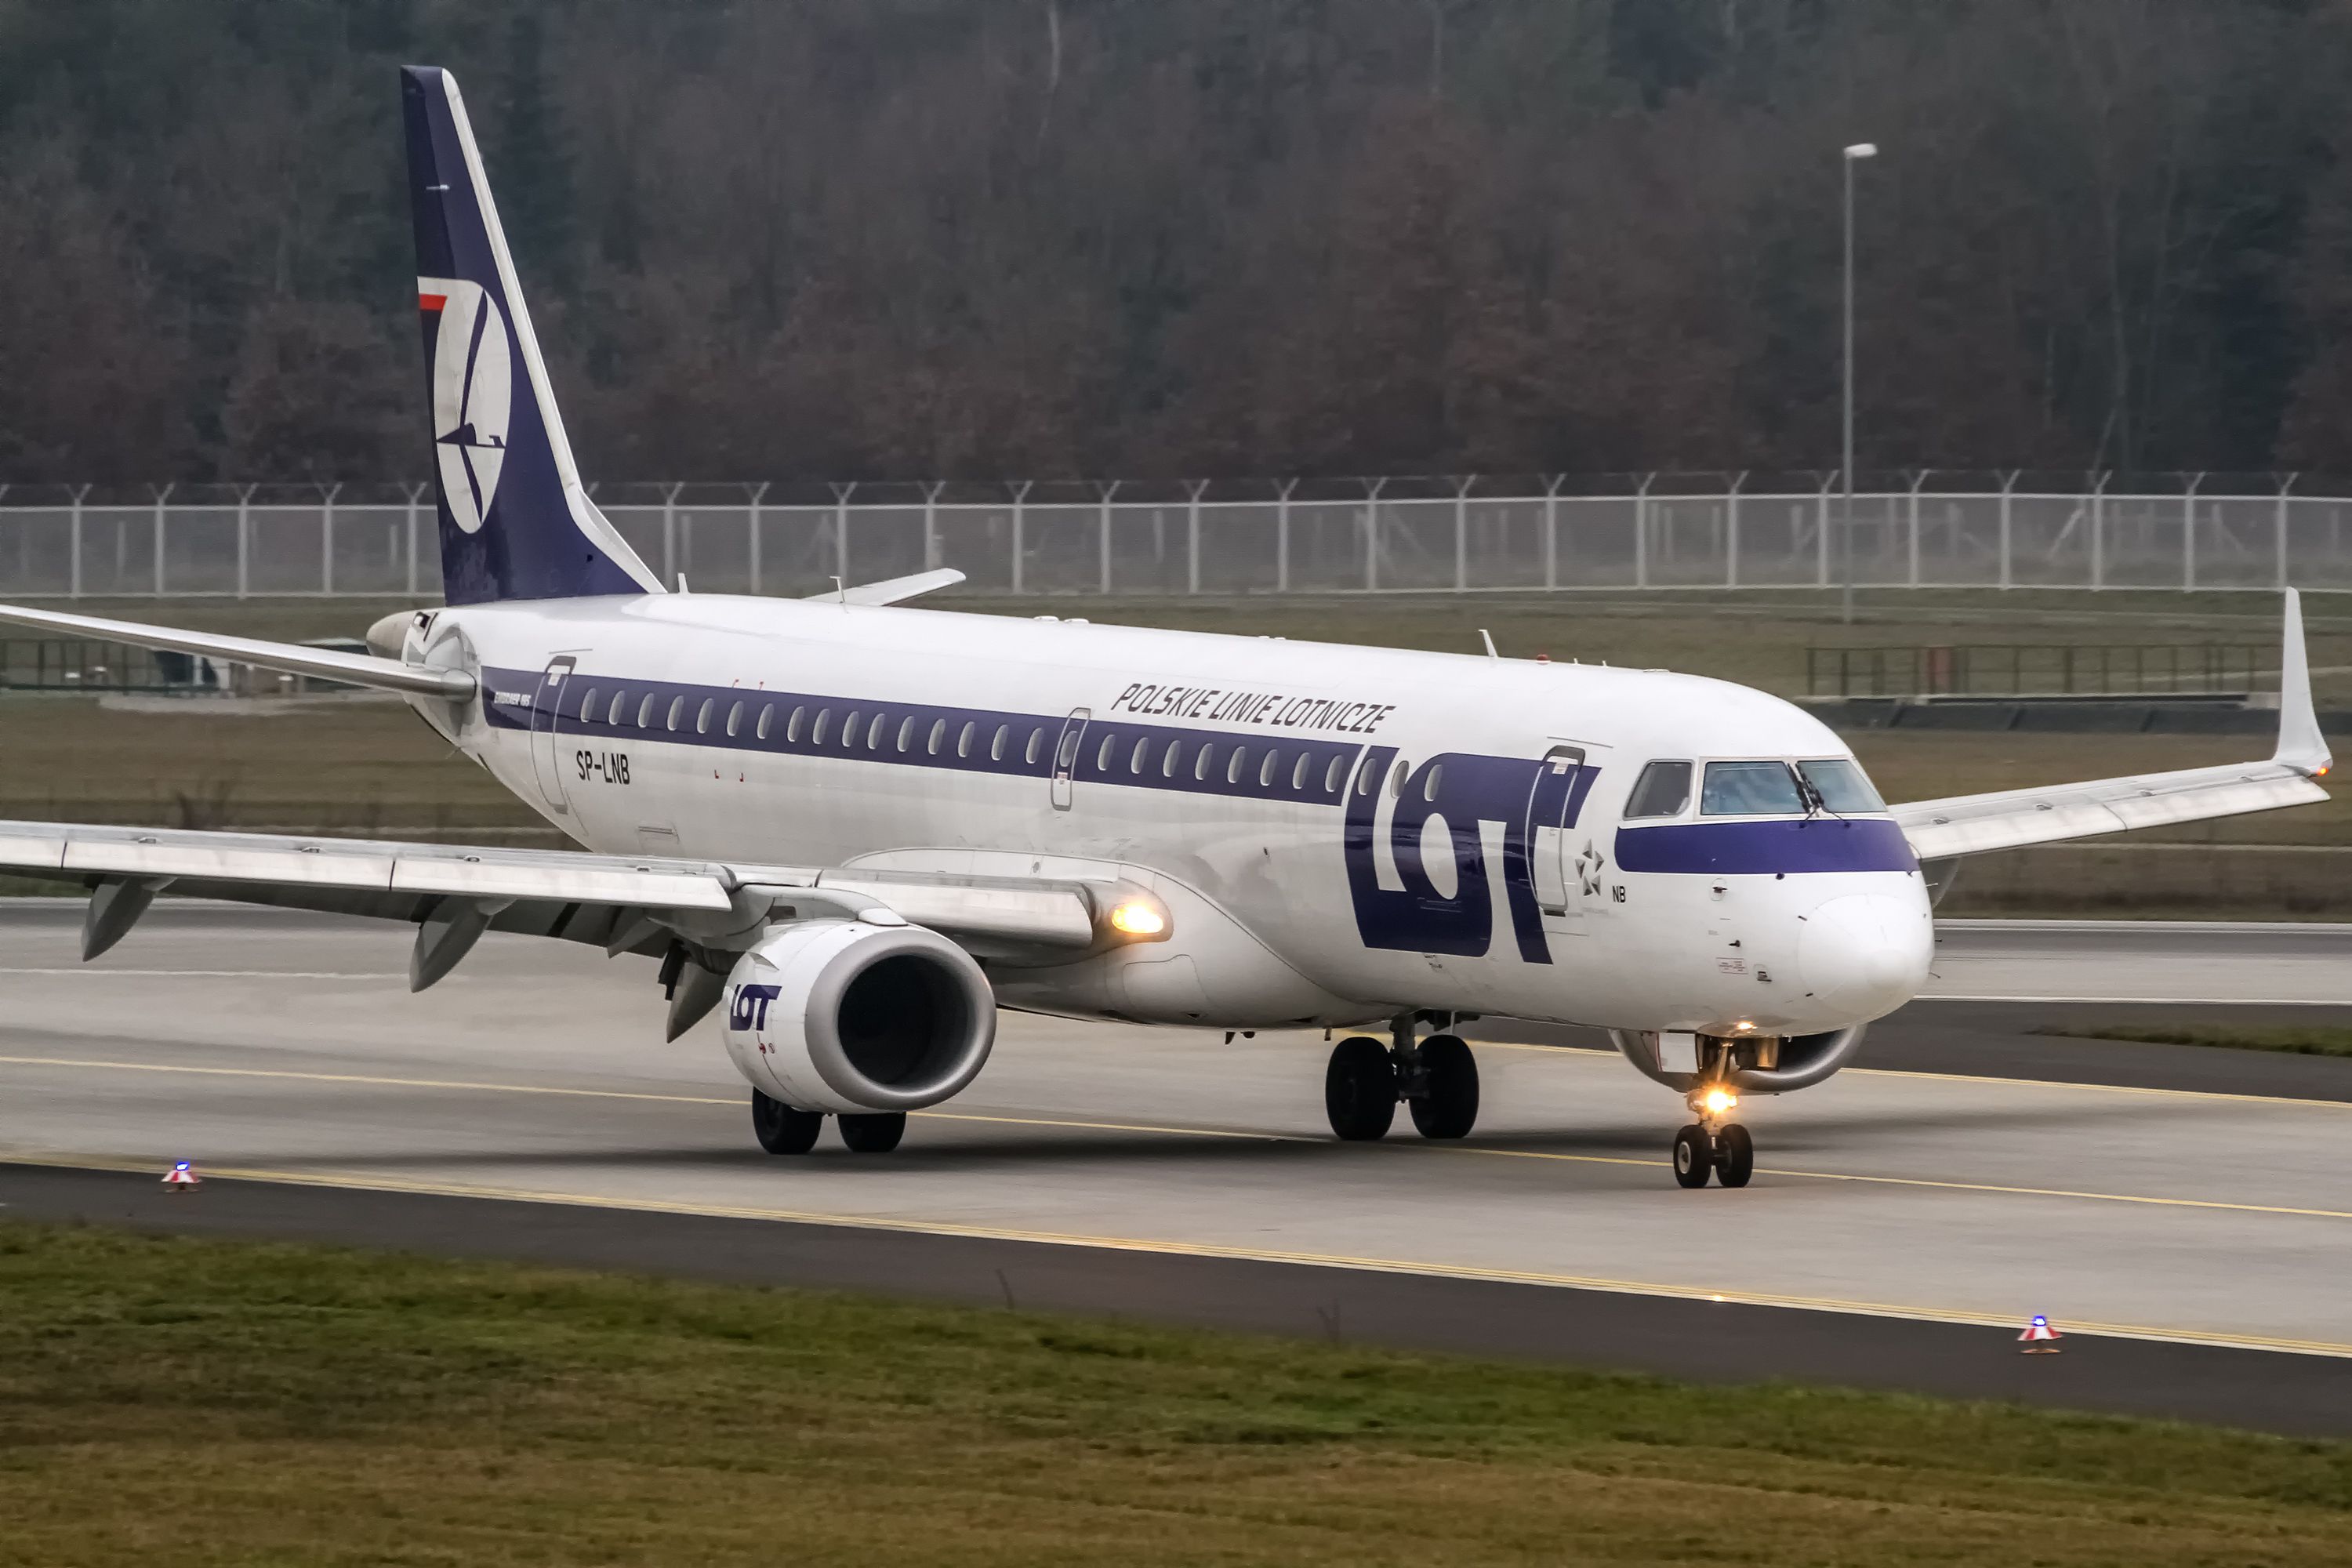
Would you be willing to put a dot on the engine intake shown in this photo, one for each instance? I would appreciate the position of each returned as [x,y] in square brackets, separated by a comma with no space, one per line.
[845,1016]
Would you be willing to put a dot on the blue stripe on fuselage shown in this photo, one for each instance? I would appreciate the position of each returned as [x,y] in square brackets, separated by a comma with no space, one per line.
[1762,848]
[899,733]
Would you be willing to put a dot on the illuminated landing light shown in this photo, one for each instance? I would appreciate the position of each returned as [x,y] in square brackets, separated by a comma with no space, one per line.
[1716,1102]
[2321,770]
[1136,917]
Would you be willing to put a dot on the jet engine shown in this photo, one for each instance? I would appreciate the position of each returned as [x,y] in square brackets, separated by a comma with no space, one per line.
[850,1016]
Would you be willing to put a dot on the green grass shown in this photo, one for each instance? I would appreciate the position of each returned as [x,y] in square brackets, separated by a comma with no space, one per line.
[2293,1040]
[202,1403]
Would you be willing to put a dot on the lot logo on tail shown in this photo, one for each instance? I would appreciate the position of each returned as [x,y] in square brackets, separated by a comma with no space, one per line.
[473,394]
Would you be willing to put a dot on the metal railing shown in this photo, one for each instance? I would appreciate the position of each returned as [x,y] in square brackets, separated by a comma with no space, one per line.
[2040,669]
[1455,536]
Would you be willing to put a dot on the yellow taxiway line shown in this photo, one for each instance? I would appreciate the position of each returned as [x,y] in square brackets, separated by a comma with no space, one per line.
[1164,1247]
[1483,1150]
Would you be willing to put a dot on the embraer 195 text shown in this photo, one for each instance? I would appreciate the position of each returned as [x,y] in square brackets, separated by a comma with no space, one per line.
[858,829]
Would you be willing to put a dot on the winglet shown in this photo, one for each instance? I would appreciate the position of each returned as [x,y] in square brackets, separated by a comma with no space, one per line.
[2301,746]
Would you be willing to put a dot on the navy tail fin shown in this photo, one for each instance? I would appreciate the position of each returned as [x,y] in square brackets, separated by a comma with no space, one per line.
[515,522]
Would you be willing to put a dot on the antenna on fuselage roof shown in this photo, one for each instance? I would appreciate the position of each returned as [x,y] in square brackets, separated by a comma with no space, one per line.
[1487,638]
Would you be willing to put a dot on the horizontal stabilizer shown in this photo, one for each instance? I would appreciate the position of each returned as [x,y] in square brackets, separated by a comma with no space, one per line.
[358,668]
[892,590]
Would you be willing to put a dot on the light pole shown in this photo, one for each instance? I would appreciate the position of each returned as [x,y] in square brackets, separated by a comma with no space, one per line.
[1853,154]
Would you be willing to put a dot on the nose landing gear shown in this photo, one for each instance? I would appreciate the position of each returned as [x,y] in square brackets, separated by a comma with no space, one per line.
[1714,1146]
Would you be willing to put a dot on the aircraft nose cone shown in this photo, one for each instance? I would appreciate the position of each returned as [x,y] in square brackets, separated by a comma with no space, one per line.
[1866,955]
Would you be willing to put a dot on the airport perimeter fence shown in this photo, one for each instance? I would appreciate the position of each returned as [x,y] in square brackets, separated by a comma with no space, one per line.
[1379,536]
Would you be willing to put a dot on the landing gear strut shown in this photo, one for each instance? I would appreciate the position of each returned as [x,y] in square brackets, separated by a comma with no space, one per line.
[1436,1077]
[1712,1146]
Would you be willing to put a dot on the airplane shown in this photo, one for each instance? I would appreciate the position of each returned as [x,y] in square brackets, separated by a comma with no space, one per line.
[858,829]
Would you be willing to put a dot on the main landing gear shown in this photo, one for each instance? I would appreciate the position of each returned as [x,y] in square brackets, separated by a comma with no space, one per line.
[1713,1146]
[1436,1077]
[782,1129]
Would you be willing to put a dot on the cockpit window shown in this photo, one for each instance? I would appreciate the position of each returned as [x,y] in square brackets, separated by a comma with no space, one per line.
[1841,785]
[1662,790]
[1749,789]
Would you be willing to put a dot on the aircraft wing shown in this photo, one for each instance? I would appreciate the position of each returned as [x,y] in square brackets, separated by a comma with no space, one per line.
[622,903]
[2010,819]
[891,590]
[358,668]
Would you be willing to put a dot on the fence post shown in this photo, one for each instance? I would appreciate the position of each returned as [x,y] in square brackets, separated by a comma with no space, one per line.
[2188,535]
[1551,530]
[1918,479]
[1019,497]
[841,494]
[1731,531]
[1193,491]
[1461,532]
[1822,531]
[1282,535]
[327,541]
[1372,489]
[415,495]
[159,495]
[751,551]
[931,489]
[2099,533]
[2008,487]
[2280,526]
[1103,534]
[76,582]
[244,540]
[1642,532]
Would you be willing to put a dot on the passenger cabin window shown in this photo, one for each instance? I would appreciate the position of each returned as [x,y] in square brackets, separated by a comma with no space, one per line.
[792,725]
[613,714]
[963,740]
[1331,774]
[1233,768]
[1142,749]
[735,717]
[1036,738]
[848,728]
[646,712]
[702,717]
[1102,753]
[767,712]
[823,718]
[996,747]
[588,707]
[1842,786]
[1749,789]
[1298,771]
[676,708]
[1662,790]
[874,733]
[1201,763]
[938,733]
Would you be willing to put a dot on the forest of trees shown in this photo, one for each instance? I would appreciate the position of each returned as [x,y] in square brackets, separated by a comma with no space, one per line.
[904,239]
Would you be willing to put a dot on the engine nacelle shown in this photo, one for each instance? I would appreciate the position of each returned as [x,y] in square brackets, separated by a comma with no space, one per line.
[845,1015]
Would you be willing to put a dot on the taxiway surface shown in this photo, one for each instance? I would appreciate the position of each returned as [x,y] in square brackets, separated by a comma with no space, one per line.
[290,1051]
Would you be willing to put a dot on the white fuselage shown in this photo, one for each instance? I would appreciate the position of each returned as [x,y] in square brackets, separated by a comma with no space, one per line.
[1340,833]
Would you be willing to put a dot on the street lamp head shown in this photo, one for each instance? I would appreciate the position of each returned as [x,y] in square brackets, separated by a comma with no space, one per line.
[1862,150]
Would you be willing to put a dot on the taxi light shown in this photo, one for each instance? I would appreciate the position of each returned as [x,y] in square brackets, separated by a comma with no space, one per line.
[1718,1100]
[1137,919]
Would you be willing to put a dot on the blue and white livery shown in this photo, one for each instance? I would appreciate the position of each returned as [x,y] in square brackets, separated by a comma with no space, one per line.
[858,829]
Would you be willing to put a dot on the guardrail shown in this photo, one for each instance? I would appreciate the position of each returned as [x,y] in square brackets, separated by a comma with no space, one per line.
[2044,670]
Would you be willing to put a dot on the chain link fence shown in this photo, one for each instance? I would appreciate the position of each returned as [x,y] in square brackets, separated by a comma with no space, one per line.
[1458,536]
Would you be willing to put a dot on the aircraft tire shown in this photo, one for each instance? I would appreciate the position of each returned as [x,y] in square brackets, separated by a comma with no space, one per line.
[873,1133]
[780,1129]
[1448,1105]
[1694,1159]
[1359,1090]
[1735,1155]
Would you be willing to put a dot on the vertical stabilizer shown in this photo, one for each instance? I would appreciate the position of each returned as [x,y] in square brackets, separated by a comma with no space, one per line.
[515,522]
